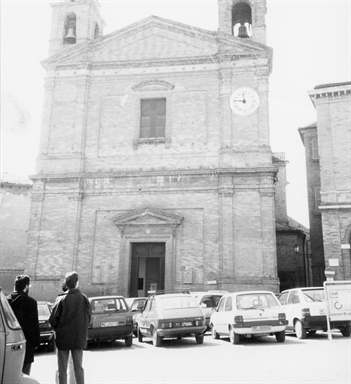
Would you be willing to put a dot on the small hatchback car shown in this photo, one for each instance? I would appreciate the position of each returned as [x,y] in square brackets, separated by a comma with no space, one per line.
[306,312]
[46,332]
[12,347]
[208,301]
[251,313]
[111,320]
[173,315]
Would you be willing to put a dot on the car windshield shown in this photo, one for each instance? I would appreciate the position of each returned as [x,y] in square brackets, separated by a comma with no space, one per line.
[43,310]
[108,305]
[256,301]
[313,295]
[177,302]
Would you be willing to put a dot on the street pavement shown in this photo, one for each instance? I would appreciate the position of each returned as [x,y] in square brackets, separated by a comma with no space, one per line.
[262,360]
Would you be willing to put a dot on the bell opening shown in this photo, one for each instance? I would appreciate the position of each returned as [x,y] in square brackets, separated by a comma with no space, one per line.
[70,29]
[242,20]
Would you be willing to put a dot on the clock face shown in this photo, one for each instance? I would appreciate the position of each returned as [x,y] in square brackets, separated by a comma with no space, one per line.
[244,101]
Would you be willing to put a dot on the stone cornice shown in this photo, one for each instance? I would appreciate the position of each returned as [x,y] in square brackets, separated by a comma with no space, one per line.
[152,173]
[334,92]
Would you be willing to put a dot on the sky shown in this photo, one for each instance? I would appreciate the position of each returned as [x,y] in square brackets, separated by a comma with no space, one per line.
[311,46]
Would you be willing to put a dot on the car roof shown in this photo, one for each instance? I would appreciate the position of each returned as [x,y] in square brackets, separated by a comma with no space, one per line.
[209,293]
[302,289]
[105,297]
[247,293]
[135,298]
[169,295]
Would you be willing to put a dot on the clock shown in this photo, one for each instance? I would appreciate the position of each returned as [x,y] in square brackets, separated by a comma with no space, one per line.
[244,101]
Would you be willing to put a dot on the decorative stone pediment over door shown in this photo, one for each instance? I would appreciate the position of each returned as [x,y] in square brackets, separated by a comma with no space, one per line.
[147,219]
[149,225]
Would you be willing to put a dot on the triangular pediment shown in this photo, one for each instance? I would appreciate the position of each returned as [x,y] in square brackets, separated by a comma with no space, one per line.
[155,38]
[147,216]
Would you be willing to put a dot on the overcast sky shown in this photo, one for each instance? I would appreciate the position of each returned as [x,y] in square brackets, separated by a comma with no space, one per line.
[310,39]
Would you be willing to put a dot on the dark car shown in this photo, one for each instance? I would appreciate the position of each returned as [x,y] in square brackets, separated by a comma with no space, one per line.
[47,335]
[111,320]
[174,315]
[136,305]
[12,347]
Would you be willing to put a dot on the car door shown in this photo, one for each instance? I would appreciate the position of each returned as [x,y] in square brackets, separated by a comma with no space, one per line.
[206,305]
[220,318]
[143,319]
[292,308]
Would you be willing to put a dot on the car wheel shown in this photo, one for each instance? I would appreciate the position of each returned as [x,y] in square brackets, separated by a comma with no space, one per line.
[140,336]
[51,345]
[346,331]
[215,335]
[128,341]
[280,336]
[300,330]
[234,337]
[199,339]
[156,339]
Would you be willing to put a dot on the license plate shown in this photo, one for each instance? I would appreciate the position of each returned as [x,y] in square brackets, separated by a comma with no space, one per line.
[111,324]
[187,324]
[262,328]
[184,324]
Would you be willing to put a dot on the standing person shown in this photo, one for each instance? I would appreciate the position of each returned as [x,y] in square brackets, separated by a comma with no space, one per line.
[26,311]
[71,378]
[70,318]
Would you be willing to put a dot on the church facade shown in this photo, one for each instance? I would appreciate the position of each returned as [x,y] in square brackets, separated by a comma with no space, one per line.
[155,168]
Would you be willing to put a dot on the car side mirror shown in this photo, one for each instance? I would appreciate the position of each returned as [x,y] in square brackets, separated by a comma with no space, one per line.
[203,305]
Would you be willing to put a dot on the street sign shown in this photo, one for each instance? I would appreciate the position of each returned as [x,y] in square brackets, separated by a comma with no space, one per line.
[329,273]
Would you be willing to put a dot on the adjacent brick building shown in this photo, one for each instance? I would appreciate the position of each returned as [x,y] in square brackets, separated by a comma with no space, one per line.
[15,195]
[146,178]
[293,240]
[309,138]
[328,153]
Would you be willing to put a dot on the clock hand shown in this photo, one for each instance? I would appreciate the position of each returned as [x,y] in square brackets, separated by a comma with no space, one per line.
[244,100]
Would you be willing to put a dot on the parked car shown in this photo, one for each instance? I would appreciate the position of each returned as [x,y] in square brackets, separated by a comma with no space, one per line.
[250,313]
[12,347]
[47,335]
[136,305]
[173,315]
[111,320]
[208,301]
[306,312]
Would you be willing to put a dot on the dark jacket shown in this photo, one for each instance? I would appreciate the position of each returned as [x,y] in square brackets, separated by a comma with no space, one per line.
[70,318]
[26,311]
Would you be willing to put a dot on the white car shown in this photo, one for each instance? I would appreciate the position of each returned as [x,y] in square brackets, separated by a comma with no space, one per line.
[306,312]
[250,313]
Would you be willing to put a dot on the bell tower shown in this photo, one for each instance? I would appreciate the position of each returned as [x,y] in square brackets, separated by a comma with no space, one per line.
[74,22]
[243,18]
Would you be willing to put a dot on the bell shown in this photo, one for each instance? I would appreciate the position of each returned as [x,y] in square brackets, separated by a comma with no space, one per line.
[71,36]
[242,31]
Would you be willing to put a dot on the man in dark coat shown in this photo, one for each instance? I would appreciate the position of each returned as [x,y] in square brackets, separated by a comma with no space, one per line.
[26,311]
[70,318]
